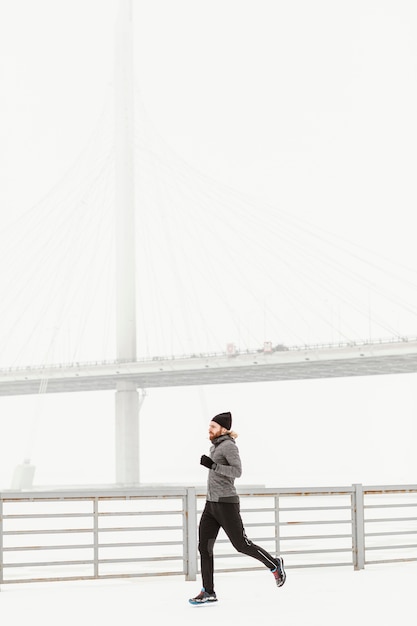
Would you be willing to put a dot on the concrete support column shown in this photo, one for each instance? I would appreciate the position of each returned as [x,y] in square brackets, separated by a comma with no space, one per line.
[127,434]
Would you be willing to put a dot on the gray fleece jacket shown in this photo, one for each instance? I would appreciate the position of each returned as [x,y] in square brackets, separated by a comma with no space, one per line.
[220,483]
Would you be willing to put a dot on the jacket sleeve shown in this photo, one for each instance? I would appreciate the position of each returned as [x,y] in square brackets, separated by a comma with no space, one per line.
[234,467]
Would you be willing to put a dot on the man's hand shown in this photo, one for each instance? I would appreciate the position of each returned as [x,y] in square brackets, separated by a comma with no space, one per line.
[207,462]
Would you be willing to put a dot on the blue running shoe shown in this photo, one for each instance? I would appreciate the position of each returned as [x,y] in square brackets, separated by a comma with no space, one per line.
[279,572]
[203,597]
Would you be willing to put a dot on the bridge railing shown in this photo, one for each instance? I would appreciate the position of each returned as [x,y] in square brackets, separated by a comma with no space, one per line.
[117,533]
[51,367]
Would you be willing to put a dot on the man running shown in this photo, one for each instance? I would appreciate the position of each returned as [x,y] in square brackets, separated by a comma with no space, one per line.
[222,509]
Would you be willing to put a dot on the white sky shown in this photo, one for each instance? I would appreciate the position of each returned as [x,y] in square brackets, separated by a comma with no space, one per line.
[275,146]
[303,110]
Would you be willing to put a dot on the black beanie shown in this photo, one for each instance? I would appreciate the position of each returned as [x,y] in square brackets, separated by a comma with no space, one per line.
[224,419]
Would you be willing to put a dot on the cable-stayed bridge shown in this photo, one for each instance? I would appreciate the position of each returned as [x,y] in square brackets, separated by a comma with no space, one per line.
[308,362]
[197,261]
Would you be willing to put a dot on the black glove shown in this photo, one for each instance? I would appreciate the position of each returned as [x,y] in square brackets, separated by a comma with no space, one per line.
[207,462]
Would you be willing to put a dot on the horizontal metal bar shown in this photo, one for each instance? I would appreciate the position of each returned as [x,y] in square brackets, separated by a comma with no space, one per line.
[58,531]
[143,544]
[311,565]
[323,551]
[290,492]
[101,577]
[105,494]
[397,547]
[138,528]
[13,581]
[139,493]
[67,546]
[316,522]
[145,494]
[47,515]
[261,492]
[52,531]
[137,513]
[314,537]
[142,559]
[91,562]
[397,532]
[294,509]
[389,506]
[294,538]
[47,563]
[140,574]
[287,567]
[316,508]
[384,489]
[391,519]
[90,546]
[406,560]
[292,552]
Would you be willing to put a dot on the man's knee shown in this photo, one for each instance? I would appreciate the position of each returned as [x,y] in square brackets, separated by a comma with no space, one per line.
[207,547]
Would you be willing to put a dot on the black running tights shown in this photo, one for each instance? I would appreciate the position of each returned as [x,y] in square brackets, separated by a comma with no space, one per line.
[225,515]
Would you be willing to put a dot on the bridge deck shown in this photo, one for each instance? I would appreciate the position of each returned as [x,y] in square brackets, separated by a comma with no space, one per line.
[307,363]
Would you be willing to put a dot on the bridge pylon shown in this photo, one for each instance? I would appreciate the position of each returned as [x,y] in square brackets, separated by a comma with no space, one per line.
[127,402]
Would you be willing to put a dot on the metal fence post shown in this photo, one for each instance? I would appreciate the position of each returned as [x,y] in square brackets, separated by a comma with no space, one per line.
[1,541]
[95,536]
[190,504]
[358,528]
[277,527]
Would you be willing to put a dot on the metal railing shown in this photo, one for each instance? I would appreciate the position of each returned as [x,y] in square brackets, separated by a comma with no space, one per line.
[116,533]
[11,369]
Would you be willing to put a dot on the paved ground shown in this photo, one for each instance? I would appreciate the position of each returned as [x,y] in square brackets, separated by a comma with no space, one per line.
[313,597]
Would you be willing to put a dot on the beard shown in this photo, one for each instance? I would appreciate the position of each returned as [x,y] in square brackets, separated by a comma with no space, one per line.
[213,436]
